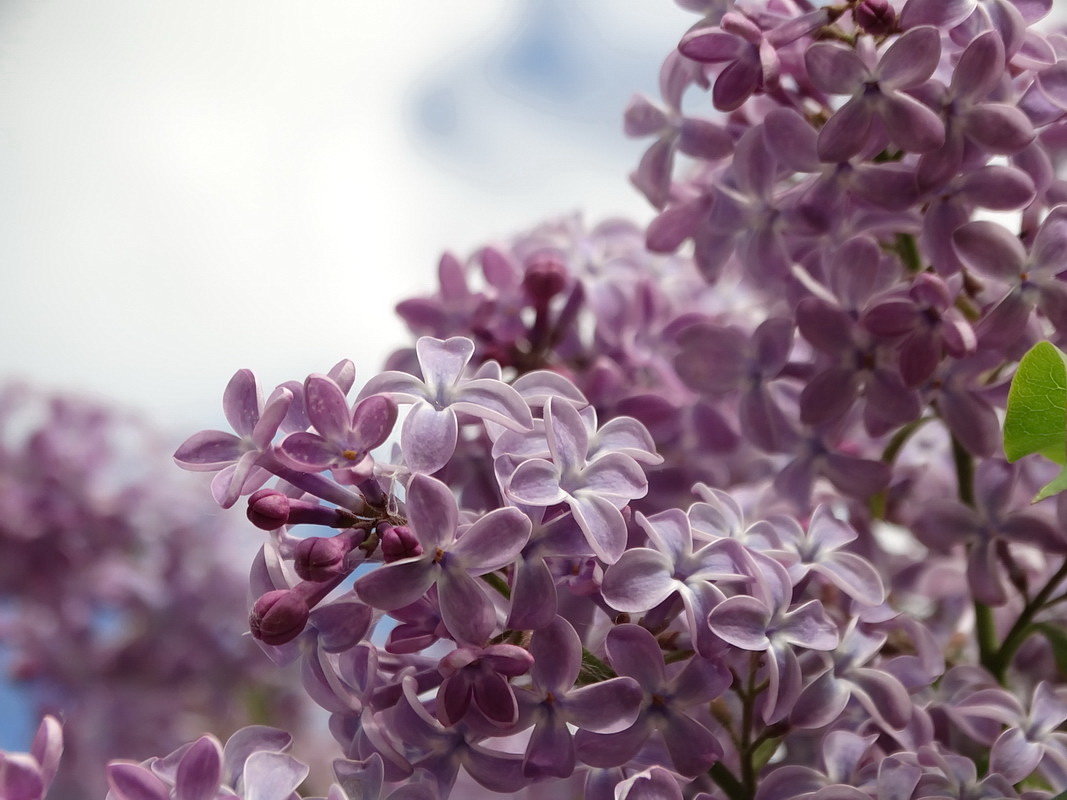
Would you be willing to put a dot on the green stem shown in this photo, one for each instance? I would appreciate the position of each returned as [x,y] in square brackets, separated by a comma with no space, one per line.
[594,670]
[727,781]
[984,624]
[889,455]
[1002,658]
[498,583]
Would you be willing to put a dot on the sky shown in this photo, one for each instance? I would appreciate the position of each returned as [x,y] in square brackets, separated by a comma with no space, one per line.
[191,188]
[194,187]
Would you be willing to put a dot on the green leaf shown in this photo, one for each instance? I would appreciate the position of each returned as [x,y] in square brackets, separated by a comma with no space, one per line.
[1036,421]
[1055,486]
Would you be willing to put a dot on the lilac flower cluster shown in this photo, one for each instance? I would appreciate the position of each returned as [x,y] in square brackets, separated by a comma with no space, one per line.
[714,509]
[118,594]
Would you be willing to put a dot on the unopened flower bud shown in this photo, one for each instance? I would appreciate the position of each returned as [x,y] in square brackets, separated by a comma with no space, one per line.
[279,616]
[875,17]
[321,558]
[546,276]
[399,542]
[268,509]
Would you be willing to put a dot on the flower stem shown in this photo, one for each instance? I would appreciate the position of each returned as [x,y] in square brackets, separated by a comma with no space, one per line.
[984,624]
[1022,628]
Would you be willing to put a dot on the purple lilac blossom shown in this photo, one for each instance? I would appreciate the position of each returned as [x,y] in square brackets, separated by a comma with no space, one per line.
[714,508]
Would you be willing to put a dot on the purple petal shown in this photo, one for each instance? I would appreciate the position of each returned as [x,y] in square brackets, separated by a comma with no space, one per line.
[557,653]
[533,595]
[821,702]
[1049,252]
[741,621]
[883,696]
[1013,756]
[602,523]
[400,386]
[627,436]
[616,476]
[605,707]
[272,776]
[327,408]
[980,68]
[856,477]
[241,402]
[466,609]
[829,396]
[971,420]
[428,437]
[309,451]
[808,626]
[737,83]
[792,140]
[498,772]
[846,132]
[854,576]
[941,13]
[643,118]
[494,401]
[640,580]
[47,747]
[568,438]
[432,512]
[834,68]
[702,139]
[372,421]
[550,751]
[693,748]
[635,653]
[998,188]
[654,783]
[754,167]
[536,483]
[134,782]
[911,59]
[396,585]
[199,771]
[442,362]
[247,741]
[493,542]
[613,749]
[209,451]
[910,124]
[990,250]
[1053,82]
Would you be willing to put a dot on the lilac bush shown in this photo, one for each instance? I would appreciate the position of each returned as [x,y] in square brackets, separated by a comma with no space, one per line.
[717,508]
[119,598]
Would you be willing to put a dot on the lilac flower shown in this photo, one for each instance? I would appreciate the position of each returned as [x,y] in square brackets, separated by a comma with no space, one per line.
[644,577]
[345,438]
[28,776]
[553,702]
[654,783]
[763,622]
[675,131]
[451,555]
[750,58]
[1034,739]
[720,361]
[819,550]
[991,251]
[253,765]
[634,653]
[594,490]
[877,94]
[442,751]
[997,128]
[234,458]
[986,529]
[879,693]
[430,430]
[480,676]
[842,754]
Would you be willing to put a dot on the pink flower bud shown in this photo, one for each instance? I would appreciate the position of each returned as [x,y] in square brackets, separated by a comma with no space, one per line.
[399,542]
[279,616]
[875,16]
[546,276]
[321,558]
[268,509]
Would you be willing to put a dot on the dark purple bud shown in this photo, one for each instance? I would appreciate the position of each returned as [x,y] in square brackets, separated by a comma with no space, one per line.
[546,276]
[399,542]
[279,616]
[875,16]
[321,558]
[268,509]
